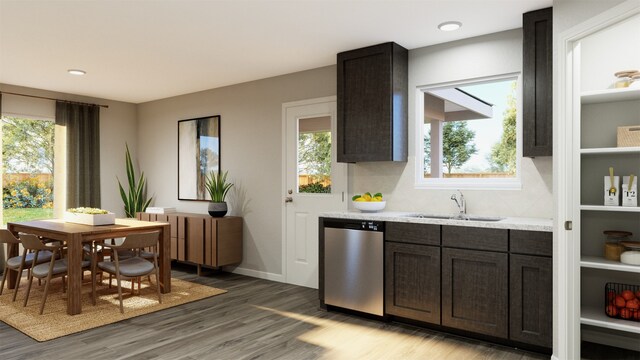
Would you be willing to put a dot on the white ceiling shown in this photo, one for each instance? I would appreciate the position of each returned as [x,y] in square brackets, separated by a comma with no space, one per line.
[144,50]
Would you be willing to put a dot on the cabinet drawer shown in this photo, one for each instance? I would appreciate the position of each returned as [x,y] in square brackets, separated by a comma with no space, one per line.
[413,233]
[531,242]
[475,238]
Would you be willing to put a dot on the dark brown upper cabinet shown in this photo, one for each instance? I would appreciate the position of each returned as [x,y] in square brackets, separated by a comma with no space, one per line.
[372,104]
[537,77]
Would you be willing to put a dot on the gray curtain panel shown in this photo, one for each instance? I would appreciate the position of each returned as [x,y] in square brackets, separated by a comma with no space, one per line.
[1,246]
[82,123]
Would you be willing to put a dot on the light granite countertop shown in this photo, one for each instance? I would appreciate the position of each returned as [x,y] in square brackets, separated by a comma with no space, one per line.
[512,223]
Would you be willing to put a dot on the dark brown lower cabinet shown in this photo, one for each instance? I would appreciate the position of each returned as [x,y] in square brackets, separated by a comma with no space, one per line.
[413,281]
[530,286]
[475,291]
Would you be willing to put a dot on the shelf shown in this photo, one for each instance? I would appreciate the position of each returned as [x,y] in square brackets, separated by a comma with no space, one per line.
[596,262]
[614,150]
[610,95]
[595,316]
[610,208]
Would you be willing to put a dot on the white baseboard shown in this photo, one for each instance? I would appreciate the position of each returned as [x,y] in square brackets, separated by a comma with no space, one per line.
[606,338]
[257,274]
[553,357]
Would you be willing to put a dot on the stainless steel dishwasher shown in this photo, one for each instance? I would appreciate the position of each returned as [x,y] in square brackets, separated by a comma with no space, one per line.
[354,265]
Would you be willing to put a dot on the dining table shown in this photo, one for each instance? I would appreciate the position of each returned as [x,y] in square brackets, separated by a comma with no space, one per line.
[76,235]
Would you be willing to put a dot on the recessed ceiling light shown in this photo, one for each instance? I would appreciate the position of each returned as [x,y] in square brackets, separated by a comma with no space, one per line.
[450,25]
[76,72]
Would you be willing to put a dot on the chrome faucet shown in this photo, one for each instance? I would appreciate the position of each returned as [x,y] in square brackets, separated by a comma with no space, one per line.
[462,205]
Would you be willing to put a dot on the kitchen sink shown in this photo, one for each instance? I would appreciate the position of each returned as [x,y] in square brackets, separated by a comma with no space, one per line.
[424,216]
[450,217]
[483,218]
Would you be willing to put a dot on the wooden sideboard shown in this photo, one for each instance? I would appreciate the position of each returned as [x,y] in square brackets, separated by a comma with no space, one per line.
[202,239]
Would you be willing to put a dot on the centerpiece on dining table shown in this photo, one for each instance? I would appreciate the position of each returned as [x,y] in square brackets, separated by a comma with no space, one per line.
[89,216]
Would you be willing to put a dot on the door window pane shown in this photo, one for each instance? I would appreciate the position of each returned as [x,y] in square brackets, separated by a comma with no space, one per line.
[314,155]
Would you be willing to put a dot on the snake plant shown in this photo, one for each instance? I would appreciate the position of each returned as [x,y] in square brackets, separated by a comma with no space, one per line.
[135,199]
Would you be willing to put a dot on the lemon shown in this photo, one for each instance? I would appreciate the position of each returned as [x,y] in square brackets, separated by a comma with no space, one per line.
[367,197]
[360,199]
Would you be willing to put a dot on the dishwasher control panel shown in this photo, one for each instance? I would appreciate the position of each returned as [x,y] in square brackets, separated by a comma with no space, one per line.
[372,226]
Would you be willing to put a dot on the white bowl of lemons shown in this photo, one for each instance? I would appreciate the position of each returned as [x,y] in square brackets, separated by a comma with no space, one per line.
[368,202]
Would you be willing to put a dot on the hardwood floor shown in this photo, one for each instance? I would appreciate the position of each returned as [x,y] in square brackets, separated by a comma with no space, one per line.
[256,319]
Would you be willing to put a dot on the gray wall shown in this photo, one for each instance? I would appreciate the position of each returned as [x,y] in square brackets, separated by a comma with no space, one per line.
[251,150]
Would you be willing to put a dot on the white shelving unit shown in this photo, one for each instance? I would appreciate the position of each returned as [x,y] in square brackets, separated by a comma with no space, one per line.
[610,95]
[596,262]
[585,126]
[596,270]
[610,208]
[609,151]
[596,317]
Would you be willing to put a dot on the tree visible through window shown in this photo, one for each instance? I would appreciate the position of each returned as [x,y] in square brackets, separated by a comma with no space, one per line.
[471,131]
[314,162]
[27,178]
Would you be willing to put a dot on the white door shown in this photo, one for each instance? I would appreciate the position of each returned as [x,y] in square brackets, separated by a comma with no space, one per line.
[313,182]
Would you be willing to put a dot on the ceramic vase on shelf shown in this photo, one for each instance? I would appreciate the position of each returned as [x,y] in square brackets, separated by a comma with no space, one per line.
[218,209]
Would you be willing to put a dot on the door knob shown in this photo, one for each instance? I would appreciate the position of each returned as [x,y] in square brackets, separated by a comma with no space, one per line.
[288,199]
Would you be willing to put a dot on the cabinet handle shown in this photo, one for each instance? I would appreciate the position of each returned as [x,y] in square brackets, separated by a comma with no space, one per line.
[568,225]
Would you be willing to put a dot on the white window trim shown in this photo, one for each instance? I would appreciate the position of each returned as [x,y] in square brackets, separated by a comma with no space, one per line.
[514,183]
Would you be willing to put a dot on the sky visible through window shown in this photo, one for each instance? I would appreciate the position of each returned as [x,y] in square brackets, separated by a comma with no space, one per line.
[488,131]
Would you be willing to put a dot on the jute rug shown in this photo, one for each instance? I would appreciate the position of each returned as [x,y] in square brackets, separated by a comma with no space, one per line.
[55,322]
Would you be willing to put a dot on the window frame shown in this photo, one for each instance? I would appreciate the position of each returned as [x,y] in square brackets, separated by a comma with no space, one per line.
[514,183]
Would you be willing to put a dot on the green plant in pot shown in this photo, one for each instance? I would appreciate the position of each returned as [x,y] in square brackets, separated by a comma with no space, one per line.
[135,199]
[218,188]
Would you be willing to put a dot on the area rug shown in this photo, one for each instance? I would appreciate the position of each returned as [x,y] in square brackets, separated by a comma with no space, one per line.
[55,322]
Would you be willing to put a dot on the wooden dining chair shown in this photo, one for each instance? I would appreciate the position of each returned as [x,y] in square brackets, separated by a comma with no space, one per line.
[136,266]
[20,262]
[53,268]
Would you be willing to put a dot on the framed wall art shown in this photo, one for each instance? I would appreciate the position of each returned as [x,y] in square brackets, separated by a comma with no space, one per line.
[198,155]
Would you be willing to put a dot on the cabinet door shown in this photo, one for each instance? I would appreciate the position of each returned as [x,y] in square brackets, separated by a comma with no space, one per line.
[537,114]
[412,288]
[531,289]
[475,291]
[372,104]
[228,241]
[195,236]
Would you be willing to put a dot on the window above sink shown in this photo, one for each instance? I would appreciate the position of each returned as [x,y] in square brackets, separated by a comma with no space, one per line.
[469,134]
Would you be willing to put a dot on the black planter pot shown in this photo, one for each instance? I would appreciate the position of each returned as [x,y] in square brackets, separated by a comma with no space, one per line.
[218,209]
